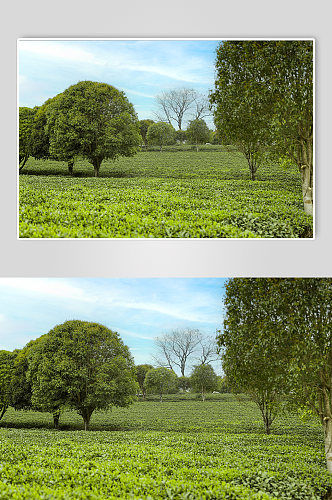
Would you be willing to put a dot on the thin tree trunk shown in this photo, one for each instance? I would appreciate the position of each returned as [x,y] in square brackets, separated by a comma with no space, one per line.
[307,189]
[305,162]
[24,162]
[3,411]
[56,417]
[86,415]
[96,166]
[71,166]
[327,426]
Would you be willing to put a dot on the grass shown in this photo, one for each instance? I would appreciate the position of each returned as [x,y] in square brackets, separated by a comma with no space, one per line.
[178,449]
[174,194]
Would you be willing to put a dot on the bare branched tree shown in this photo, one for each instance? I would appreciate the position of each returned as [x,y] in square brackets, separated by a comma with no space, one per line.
[173,104]
[175,347]
[201,107]
[208,350]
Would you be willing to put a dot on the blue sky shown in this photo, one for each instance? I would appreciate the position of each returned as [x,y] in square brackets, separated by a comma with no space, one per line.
[138,309]
[141,68]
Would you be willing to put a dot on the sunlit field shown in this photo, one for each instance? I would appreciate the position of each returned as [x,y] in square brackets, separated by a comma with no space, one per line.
[173,194]
[179,449]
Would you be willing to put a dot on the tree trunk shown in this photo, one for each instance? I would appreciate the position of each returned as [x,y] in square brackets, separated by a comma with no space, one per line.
[96,166]
[70,166]
[307,189]
[56,417]
[25,159]
[305,163]
[327,426]
[3,410]
[86,415]
[161,398]
[203,395]
[197,147]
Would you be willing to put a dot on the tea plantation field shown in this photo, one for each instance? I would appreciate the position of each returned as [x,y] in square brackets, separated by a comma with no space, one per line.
[182,194]
[172,450]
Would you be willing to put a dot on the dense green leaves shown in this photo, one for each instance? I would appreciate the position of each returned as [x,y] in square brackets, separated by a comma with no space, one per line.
[160,133]
[178,195]
[161,381]
[141,371]
[277,341]
[26,117]
[83,365]
[6,374]
[94,120]
[198,132]
[203,379]
[263,102]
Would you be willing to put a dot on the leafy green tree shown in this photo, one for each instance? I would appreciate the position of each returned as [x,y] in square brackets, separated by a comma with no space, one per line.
[161,134]
[184,383]
[223,385]
[198,132]
[141,371]
[6,372]
[180,136]
[282,327]
[94,120]
[26,118]
[289,65]
[242,112]
[82,365]
[252,364]
[263,103]
[161,381]
[203,379]
[143,127]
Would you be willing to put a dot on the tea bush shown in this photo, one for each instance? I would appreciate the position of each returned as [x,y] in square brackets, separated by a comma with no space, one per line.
[181,194]
[178,449]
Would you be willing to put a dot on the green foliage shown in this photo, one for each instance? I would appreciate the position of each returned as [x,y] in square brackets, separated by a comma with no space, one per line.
[161,134]
[143,127]
[161,381]
[198,132]
[6,373]
[83,365]
[180,135]
[277,340]
[26,117]
[183,383]
[203,379]
[263,102]
[173,195]
[242,111]
[141,371]
[252,363]
[94,120]
[180,449]
[20,394]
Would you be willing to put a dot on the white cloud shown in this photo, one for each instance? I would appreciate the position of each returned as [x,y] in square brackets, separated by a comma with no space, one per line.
[119,58]
[45,286]
[57,50]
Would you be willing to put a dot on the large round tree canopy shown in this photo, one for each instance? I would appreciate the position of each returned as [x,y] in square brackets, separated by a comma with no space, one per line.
[94,120]
[82,365]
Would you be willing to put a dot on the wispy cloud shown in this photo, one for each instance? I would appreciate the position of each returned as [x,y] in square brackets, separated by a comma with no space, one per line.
[57,50]
[45,286]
